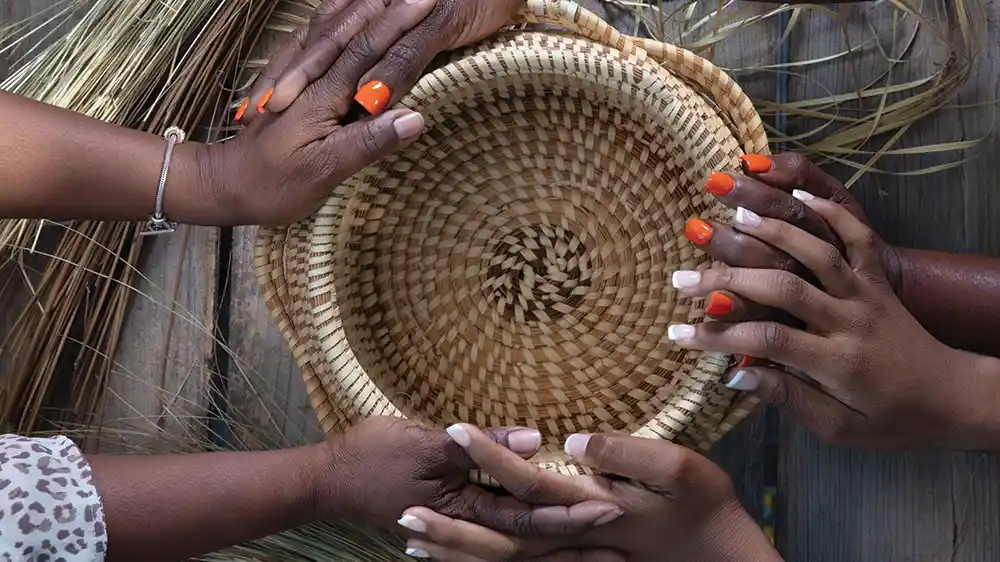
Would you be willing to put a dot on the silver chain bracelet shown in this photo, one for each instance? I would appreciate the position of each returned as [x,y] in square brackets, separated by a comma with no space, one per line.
[158,223]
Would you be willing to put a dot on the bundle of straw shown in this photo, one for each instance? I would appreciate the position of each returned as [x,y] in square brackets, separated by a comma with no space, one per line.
[144,64]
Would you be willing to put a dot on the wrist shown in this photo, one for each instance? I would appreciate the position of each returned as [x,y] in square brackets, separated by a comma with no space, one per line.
[974,421]
[731,535]
[195,192]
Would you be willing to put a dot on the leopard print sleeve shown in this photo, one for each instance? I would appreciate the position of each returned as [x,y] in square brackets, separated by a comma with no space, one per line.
[49,508]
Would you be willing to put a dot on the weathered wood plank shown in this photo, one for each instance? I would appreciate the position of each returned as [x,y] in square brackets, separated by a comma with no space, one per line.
[919,505]
[159,394]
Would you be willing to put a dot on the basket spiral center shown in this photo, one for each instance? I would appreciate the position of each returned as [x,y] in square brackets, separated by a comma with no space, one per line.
[537,273]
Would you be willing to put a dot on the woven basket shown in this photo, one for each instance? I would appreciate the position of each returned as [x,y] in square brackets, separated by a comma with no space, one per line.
[513,266]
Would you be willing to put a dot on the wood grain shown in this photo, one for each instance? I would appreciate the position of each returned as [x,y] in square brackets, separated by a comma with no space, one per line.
[845,505]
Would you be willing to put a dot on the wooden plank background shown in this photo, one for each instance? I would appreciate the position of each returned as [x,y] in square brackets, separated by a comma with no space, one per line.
[833,504]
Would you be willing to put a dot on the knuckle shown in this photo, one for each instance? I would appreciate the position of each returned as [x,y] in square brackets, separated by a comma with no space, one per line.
[369,140]
[799,166]
[774,336]
[789,287]
[831,258]
[869,240]
[776,395]
[362,48]
[404,55]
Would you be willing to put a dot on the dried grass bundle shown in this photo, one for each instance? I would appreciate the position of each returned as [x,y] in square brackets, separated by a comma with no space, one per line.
[142,64]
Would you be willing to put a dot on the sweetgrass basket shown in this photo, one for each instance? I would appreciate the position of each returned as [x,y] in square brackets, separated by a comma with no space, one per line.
[513,266]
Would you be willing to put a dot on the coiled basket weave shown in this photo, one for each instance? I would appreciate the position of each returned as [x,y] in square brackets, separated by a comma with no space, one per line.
[513,266]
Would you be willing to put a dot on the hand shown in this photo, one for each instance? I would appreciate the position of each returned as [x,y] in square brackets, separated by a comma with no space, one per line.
[397,52]
[283,166]
[677,504]
[879,380]
[766,188]
[385,465]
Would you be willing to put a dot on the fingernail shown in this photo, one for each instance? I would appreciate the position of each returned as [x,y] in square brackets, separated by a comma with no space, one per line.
[608,517]
[460,435]
[747,218]
[746,361]
[417,552]
[685,279]
[698,231]
[719,304]
[576,445]
[756,163]
[524,441]
[413,523]
[242,109]
[744,380]
[719,184]
[680,332]
[373,96]
[409,125]
[264,99]
[802,195]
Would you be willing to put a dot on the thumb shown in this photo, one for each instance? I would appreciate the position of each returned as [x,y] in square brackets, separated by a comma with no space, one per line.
[363,143]
[810,406]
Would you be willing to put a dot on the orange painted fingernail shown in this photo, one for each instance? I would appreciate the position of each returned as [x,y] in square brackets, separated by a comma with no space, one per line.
[756,163]
[719,184]
[264,99]
[698,231]
[719,304]
[746,361]
[242,109]
[373,96]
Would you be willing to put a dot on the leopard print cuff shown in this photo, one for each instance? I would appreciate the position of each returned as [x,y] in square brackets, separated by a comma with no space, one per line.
[50,510]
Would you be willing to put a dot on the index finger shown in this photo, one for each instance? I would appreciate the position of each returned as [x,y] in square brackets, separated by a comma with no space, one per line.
[653,462]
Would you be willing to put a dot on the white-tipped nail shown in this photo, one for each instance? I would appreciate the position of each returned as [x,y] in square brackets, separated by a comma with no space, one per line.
[802,195]
[744,380]
[413,523]
[747,218]
[685,279]
[409,125]
[417,553]
[680,332]
[576,445]
[459,434]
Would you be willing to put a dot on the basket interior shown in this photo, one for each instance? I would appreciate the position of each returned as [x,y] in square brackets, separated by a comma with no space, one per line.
[513,266]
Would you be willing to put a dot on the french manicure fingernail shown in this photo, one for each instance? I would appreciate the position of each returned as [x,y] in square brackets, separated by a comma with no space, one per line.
[413,523]
[608,517]
[685,279]
[680,332]
[264,99]
[719,304]
[802,195]
[417,552]
[748,218]
[242,109]
[373,96]
[698,231]
[719,184]
[756,163]
[460,435]
[409,125]
[576,445]
[524,441]
[743,380]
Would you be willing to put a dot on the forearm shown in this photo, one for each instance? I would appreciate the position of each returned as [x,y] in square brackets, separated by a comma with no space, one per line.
[169,508]
[955,297]
[59,165]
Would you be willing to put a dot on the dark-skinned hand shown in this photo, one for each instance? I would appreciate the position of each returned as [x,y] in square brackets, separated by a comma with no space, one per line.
[878,379]
[765,187]
[677,505]
[385,465]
